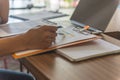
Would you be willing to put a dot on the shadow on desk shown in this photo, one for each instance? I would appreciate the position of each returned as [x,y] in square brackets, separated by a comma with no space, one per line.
[115,34]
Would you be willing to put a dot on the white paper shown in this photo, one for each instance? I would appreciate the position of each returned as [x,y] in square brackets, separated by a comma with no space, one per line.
[87,50]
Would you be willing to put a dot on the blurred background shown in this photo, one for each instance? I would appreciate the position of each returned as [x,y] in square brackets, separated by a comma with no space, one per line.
[24,4]
[31,6]
[37,5]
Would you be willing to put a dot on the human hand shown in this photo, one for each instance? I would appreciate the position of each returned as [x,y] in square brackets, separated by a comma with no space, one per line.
[41,37]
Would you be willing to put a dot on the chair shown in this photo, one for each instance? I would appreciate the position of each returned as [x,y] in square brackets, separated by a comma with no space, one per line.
[4,62]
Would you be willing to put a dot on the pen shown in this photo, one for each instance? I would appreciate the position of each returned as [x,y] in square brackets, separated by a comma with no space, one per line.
[67,33]
[59,27]
[85,28]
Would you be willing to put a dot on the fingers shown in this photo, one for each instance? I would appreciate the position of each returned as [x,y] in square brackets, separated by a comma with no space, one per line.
[41,37]
[50,33]
[50,37]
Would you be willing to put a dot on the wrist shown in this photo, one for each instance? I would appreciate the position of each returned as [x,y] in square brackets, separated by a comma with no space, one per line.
[20,43]
[9,45]
[23,42]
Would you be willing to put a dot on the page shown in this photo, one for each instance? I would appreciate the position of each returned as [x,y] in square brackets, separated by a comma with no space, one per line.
[68,35]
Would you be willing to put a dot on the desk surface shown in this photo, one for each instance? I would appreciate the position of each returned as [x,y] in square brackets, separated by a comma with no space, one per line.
[51,66]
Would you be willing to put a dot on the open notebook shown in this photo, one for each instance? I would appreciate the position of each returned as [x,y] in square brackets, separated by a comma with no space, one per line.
[66,37]
[88,50]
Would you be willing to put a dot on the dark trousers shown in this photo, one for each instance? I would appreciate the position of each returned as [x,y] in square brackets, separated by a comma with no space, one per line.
[11,75]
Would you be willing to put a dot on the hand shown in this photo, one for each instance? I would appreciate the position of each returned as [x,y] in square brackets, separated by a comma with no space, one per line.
[40,38]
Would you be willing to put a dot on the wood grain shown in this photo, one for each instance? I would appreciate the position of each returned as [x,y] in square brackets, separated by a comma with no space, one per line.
[51,66]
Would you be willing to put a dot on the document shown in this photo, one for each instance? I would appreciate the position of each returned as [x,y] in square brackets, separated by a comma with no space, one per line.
[65,37]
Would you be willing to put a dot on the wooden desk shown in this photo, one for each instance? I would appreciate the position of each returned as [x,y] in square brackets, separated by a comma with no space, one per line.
[51,66]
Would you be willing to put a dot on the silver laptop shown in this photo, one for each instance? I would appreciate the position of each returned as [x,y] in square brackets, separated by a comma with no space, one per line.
[95,13]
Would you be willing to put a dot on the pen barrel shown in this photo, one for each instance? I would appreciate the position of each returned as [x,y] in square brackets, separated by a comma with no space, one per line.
[81,30]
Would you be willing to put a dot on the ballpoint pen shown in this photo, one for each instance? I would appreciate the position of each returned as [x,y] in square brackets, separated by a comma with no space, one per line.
[84,28]
[59,27]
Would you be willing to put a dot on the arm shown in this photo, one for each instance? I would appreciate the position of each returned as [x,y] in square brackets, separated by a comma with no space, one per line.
[34,39]
[4,11]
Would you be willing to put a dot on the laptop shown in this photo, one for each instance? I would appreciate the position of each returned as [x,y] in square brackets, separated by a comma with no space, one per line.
[95,13]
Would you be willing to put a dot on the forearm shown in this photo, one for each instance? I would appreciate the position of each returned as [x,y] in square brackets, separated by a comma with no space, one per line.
[12,44]
[38,38]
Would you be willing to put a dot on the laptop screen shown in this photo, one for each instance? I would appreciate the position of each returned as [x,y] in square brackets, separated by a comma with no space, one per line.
[95,13]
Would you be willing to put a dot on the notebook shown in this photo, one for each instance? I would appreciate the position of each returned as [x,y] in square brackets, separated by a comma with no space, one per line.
[88,50]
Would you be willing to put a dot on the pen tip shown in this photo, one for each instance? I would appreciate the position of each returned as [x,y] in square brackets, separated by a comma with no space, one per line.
[59,27]
[86,27]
